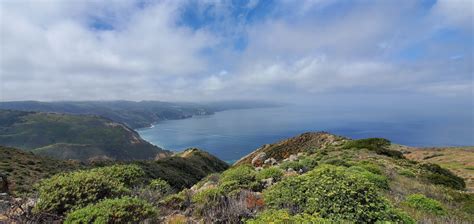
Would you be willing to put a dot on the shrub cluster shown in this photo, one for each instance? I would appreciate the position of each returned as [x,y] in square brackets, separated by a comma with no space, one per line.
[160,186]
[441,176]
[118,210]
[378,145]
[306,163]
[283,217]
[64,192]
[333,193]
[426,204]
[271,172]
[378,180]
[129,175]
[241,177]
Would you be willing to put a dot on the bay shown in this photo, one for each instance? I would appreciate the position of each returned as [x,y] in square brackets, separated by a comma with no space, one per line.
[233,134]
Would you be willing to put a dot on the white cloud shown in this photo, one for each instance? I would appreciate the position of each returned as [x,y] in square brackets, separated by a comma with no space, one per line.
[455,12]
[50,50]
[48,54]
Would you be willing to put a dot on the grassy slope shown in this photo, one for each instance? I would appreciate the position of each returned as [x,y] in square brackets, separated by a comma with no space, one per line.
[72,136]
[460,160]
[24,169]
[184,169]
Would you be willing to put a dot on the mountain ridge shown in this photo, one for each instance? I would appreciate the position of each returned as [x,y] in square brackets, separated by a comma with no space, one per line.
[79,137]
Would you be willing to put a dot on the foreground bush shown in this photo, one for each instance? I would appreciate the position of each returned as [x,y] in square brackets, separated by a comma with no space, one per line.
[378,180]
[271,172]
[160,186]
[425,204]
[241,177]
[129,175]
[333,193]
[283,217]
[62,193]
[119,210]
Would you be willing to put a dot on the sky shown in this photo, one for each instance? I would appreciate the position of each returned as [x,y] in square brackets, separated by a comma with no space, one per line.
[210,50]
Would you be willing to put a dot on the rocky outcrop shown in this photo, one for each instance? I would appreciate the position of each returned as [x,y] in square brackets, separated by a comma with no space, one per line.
[259,159]
[306,142]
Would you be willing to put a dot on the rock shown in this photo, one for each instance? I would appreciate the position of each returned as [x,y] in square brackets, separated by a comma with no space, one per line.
[300,154]
[268,182]
[207,185]
[293,158]
[258,168]
[290,170]
[270,161]
[253,200]
[259,159]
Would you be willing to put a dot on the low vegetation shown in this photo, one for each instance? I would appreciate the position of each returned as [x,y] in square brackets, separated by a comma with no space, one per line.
[327,180]
[421,202]
[118,210]
[24,169]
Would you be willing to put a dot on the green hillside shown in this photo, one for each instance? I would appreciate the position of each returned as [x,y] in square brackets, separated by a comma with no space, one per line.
[133,114]
[84,137]
[311,178]
[24,169]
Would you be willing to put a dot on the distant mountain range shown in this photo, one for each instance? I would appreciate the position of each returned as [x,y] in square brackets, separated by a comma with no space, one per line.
[65,136]
[133,114]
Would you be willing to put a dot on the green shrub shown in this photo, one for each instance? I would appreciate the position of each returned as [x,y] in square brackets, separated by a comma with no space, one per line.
[207,200]
[421,202]
[336,162]
[118,210]
[179,201]
[378,180]
[295,165]
[407,173]
[378,145]
[63,192]
[309,162]
[441,176]
[244,176]
[331,192]
[129,175]
[283,217]
[371,167]
[397,216]
[230,187]
[160,186]
[271,172]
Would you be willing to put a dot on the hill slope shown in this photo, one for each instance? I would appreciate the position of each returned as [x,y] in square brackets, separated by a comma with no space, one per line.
[459,160]
[63,136]
[24,169]
[324,178]
[133,114]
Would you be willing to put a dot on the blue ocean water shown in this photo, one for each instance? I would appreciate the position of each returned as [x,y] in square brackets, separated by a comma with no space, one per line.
[234,133]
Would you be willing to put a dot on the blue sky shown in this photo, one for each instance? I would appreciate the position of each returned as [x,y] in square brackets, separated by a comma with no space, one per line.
[218,50]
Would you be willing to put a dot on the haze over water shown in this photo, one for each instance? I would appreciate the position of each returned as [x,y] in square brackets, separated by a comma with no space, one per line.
[234,133]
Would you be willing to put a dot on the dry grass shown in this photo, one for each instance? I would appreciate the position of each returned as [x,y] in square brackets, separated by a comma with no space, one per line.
[460,160]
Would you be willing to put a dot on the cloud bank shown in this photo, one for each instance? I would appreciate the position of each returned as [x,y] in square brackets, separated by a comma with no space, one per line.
[220,50]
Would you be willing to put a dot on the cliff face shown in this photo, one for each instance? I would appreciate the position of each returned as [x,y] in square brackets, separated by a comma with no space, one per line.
[77,137]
